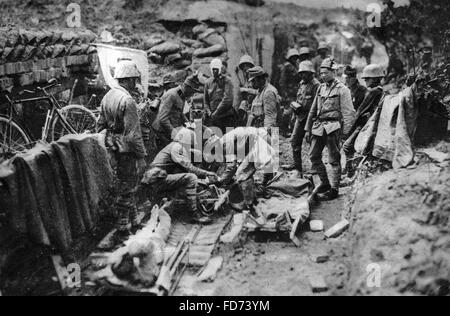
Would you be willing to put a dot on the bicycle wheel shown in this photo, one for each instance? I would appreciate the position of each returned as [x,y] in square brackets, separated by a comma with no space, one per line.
[13,139]
[81,119]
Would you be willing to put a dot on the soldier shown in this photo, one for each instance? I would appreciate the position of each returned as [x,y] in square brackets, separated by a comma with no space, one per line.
[246,93]
[323,52]
[170,115]
[332,114]
[305,54]
[289,82]
[265,106]
[119,116]
[218,97]
[305,98]
[172,171]
[351,81]
[373,74]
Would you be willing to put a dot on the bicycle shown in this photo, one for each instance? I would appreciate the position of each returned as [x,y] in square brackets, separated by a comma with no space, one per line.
[60,121]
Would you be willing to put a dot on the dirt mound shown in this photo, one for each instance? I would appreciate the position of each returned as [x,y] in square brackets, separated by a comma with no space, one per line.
[401,226]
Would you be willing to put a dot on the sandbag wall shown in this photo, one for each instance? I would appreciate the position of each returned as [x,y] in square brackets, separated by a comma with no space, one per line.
[30,57]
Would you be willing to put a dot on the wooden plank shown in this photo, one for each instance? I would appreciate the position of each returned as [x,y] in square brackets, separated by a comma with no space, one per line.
[10,69]
[337,229]
[2,70]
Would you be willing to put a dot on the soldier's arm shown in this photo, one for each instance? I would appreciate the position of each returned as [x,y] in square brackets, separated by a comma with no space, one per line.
[270,108]
[348,110]
[227,101]
[313,112]
[164,115]
[206,98]
[283,82]
[181,156]
[132,129]
[101,123]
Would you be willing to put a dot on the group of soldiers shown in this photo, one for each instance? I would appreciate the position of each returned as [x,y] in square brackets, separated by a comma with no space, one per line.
[323,110]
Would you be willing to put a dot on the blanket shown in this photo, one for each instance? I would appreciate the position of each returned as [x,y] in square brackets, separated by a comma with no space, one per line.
[52,192]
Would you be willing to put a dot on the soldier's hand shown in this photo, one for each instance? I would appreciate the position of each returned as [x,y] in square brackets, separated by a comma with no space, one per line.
[308,137]
[212,178]
[141,166]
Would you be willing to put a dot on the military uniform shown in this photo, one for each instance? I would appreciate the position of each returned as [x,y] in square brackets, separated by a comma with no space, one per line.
[173,171]
[368,107]
[305,98]
[170,116]
[331,114]
[119,116]
[265,108]
[358,94]
[218,98]
[289,83]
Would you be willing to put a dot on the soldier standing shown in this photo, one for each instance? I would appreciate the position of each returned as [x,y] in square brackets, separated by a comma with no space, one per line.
[356,88]
[119,116]
[332,114]
[305,98]
[289,82]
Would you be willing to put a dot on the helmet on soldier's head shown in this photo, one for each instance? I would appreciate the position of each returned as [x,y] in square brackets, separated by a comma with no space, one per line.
[323,46]
[329,63]
[246,59]
[126,69]
[292,53]
[304,51]
[184,136]
[373,71]
[306,66]
[216,64]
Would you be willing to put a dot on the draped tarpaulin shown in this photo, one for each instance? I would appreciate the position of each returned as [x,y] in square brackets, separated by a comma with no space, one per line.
[52,193]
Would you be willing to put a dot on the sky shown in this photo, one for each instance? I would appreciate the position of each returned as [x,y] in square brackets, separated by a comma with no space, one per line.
[359,4]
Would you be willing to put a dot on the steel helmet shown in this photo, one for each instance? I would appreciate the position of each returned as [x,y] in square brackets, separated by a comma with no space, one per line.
[329,63]
[184,136]
[323,45]
[126,69]
[256,72]
[305,51]
[306,66]
[246,59]
[216,64]
[373,71]
[292,53]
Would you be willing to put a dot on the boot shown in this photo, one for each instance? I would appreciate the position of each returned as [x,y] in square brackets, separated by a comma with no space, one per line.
[197,218]
[325,185]
[331,195]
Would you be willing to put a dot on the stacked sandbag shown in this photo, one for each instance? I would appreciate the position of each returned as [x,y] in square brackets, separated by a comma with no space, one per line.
[188,49]
[30,56]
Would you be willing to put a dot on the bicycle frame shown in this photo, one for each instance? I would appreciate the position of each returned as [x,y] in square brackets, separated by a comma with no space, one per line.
[55,109]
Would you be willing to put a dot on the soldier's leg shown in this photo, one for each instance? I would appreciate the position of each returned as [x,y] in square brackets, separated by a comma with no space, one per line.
[187,182]
[127,175]
[334,150]
[297,143]
[318,167]
[349,150]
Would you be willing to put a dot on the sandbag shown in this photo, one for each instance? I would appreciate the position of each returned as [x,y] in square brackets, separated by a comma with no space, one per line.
[182,63]
[199,29]
[191,43]
[152,42]
[28,37]
[172,58]
[59,50]
[29,53]
[166,48]
[68,36]
[17,53]
[215,39]
[13,38]
[207,33]
[214,50]
[75,50]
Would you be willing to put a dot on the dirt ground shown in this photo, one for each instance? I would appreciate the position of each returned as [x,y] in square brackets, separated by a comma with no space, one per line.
[269,265]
